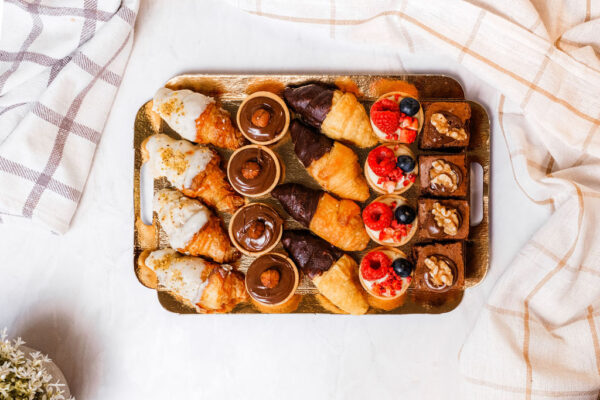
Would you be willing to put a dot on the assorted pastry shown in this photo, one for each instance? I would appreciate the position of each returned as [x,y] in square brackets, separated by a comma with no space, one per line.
[263,118]
[192,228]
[446,126]
[192,169]
[337,114]
[386,273]
[197,118]
[391,168]
[444,175]
[390,220]
[396,117]
[328,121]
[333,165]
[205,286]
[254,170]
[333,273]
[440,266]
[271,282]
[337,221]
[255,229]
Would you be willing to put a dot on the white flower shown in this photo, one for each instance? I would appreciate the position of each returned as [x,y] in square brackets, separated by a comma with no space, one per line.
[25,378]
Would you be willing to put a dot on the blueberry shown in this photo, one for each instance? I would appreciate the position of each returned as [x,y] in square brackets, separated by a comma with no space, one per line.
[405,214]
[405,163]
[402,267]
[409,106]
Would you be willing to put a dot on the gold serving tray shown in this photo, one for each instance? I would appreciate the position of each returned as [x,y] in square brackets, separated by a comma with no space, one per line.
[232,89]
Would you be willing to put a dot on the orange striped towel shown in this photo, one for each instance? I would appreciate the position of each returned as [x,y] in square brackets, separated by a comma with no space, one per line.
[538,335]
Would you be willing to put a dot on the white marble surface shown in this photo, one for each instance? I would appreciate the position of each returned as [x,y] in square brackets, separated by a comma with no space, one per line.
[76,297]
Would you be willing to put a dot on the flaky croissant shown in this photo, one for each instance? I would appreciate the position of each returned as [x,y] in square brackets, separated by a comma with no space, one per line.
[192,169]
[337,221]
[197,118]
[192,228]
[339,115]
[334,273]
[205,286]
[333,165]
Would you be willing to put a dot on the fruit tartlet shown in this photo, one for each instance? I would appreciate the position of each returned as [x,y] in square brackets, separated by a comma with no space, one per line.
[391,169]
[386,273]
[396,117]
[390,220]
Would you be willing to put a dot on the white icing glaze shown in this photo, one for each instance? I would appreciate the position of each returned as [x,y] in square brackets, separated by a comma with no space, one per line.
[180,109]
[180,217]
[177,160]
[179,274]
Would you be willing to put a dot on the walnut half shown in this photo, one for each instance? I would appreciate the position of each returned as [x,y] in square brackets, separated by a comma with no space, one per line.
[442,174]
[441,124]
[440,273]
[446,218]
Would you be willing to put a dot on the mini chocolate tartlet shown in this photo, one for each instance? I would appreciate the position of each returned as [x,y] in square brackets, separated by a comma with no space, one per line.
[263,118]
[443,219]
[254,170]
[272,279]
[255,229]
[444,175]
[446,125]
[439,267]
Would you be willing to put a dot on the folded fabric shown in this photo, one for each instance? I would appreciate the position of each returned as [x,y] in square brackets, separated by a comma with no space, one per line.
[60,68]
[538,335]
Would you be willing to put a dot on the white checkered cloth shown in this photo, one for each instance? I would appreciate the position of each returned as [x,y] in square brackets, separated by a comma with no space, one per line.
[538,336]
[61,64]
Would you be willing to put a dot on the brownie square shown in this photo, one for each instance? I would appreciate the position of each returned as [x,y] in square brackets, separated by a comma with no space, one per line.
[452,253]
[429,228]
[432,185]
[455,114]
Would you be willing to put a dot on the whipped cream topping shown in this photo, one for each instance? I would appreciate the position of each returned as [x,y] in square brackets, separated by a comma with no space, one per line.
[180,217]
[180,109]
[177,160]
[183,275]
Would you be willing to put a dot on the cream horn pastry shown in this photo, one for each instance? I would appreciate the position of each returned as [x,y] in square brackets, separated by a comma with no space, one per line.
[333,165]
[333,272]
[337,114]
[192,228]
[337,221]
[192,169]
[197,118]
[203,285]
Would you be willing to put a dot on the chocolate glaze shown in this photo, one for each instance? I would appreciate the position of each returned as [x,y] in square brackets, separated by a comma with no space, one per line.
[453,122]
[312,102]
[311,253]
[308,144]
[276,118]
[287,279]
[452,266]
[249,215]
[298,201]
[459,179]
[260,183]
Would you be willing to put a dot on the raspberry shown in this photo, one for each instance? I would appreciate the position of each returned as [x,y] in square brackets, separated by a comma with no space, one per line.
[385,105]
[375,265]
[407,135]
[386,121]
[377,216]
[381,160]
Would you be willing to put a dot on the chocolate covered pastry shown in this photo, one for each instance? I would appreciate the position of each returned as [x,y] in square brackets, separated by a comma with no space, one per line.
[337,221]
[337,114]
[446,125]
[444,175]
[332,271]
[333,165]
